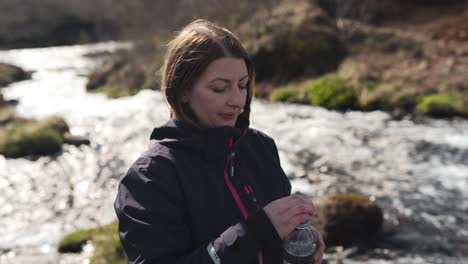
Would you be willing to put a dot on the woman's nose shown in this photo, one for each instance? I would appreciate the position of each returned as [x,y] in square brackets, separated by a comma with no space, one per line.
[237,98]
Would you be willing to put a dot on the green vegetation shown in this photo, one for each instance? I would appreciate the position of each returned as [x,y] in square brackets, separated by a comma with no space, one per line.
[107,246]
[285,94]
[331,92]
[440,104]
[116,91]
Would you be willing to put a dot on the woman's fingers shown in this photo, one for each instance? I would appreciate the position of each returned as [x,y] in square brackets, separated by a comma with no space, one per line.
[288,212]
[319,255]
[300,208]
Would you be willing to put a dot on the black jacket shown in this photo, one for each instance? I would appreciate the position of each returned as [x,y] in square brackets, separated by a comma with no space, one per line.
[199,190]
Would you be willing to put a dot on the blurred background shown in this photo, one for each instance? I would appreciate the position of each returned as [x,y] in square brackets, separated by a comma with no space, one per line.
[367,101]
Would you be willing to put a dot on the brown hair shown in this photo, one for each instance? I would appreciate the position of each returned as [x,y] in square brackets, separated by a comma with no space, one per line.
[189,54]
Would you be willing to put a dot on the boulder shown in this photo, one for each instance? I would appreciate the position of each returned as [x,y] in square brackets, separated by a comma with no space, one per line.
[127,72]
[348,218]
[293,39]
[10,74]
[20,137]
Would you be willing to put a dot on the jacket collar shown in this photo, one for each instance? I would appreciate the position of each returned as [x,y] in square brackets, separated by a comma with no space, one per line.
[211,143]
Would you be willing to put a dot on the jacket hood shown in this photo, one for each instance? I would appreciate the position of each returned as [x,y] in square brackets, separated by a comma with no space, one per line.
[210,142]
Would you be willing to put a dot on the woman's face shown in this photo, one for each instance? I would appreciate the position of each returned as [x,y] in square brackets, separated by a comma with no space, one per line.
[219,95]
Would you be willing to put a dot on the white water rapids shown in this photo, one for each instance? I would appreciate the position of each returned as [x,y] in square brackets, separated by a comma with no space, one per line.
[418,172]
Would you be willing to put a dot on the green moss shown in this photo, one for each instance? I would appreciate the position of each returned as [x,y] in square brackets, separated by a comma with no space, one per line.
[331,92]
[27,139]
[440,104]
[74,242]
[107,246]
[285,94]
[116,91]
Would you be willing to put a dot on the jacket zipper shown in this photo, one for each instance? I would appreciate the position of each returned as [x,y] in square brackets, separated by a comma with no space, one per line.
[231,164]
[241,206]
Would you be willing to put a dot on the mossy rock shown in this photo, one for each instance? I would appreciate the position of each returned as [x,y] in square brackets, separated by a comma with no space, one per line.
[21,137]
[56,123]
[10,73]
[37,141]
[294,38]
[74,242]
[347,219]
[440,104]
[107,246]
[331,92]
[128,72]
[118,78]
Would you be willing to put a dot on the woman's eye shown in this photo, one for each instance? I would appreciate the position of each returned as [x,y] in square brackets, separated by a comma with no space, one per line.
[242,87]
[219,90]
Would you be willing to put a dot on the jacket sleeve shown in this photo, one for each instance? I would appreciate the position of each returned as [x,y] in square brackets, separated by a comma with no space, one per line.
[153,226]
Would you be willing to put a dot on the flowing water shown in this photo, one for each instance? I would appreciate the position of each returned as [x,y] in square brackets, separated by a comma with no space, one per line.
[417,171]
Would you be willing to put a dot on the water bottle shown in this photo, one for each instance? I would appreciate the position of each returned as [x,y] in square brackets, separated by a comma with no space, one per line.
[300,246]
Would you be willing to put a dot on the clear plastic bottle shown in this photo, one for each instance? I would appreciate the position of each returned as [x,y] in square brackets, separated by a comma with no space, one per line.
[300,246]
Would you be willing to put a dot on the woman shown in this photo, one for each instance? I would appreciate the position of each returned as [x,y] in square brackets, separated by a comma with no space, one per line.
[209,189]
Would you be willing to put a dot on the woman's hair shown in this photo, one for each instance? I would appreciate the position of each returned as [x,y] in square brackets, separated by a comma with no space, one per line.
[189,54]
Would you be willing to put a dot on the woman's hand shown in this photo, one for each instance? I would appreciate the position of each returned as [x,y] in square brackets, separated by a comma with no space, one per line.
[290,211]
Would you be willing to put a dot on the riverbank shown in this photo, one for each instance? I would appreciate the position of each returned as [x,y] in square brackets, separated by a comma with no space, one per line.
[409,67]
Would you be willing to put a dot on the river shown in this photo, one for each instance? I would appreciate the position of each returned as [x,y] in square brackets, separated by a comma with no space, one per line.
[418,171]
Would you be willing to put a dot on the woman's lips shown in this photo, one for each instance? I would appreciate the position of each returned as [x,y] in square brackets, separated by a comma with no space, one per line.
[228,116]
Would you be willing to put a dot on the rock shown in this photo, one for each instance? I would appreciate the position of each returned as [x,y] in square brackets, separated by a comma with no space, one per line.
[102,74]
[75,140]
[21,137]
[347,219]
[121,77]
[28,139]
[294,38]
[127,72]
[10,74]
